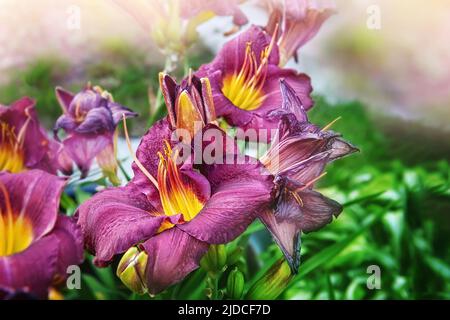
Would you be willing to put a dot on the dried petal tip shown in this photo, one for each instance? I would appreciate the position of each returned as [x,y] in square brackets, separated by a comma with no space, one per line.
[131,270]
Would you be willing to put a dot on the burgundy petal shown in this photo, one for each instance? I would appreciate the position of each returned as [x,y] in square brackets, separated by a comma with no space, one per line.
[36,195]
[239,192]
[71,250]
[172,255]
[97,121]
[31,270]
[286,234]
[316,212]
[231,57]
[64,98]
[147,153]
[84,148]
[118,111]
[65,122]
[291,217]
[114,220]
[22,116]
[300,82]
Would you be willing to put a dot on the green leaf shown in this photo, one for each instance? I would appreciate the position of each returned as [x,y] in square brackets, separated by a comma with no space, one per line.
[326,255]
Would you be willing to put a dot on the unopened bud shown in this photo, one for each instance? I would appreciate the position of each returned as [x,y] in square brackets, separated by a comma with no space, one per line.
[273,283]
[215,259]
[235,284]
[131,270]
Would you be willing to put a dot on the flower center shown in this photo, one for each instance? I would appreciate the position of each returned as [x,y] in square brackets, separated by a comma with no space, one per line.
[244,87]
[11,152]
[177,197]
[16,231]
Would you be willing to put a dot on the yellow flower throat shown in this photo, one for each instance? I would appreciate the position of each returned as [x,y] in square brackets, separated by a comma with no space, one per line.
[244,87]
[11,150]
[16,231]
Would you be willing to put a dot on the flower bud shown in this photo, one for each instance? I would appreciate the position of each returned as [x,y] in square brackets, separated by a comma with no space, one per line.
[131,270]
[107,161]
[234,256]
[273,283]
[235,284]
[215,259]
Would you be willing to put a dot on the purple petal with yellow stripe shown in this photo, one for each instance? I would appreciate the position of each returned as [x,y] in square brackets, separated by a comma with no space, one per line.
[36,244]
[116,219]
[245,80]
[24,144]
[173,254]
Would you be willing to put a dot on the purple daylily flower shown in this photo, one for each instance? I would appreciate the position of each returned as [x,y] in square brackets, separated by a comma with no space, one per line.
[173,218]
[24,144]
[245,80]
[297,158]
[188,104]
[89,120]
[36,243]
[295,22]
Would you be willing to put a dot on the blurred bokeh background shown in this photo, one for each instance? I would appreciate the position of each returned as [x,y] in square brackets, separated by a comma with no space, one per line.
[389,81]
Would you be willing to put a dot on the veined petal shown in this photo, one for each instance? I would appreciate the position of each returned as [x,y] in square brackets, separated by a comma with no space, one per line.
[33,195]
[65,122]
[147,152]
[97,121]
[64,98]
[31,138]
[118,111]
[172,255]
[300,82]
[290,218]
[239,192]
[286,234]
[71,251]
[232,55]
[84,148]
[114,220]
[31,270]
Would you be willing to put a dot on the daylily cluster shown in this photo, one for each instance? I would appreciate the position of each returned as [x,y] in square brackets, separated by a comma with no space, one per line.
[176,207]
[193,188]
[37,244]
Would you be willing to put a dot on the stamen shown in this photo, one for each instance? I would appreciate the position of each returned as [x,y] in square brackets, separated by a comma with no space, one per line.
[21,135]
[136,160]
[307,185]
[244,87]
[11,151]
[297,198]
[176,196]
[328,126]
